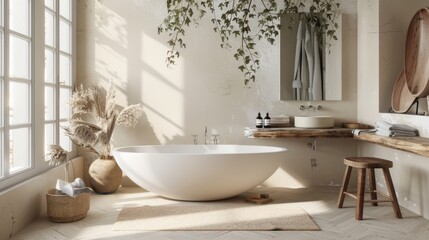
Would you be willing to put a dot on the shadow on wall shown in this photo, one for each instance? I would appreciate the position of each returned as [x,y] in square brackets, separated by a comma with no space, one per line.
[416,184]
[204,89]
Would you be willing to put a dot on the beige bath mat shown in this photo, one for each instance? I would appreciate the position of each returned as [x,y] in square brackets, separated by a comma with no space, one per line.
[215,216]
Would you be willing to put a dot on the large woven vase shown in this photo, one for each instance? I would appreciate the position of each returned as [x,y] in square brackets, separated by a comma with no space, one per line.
[105,176]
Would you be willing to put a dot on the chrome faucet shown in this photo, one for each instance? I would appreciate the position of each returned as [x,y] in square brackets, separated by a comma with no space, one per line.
[195,139]
[208,139]
[205,136]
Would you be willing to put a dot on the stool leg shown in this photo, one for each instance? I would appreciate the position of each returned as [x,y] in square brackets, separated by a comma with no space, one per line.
[372,186]
[344,186]
[392,193]
[360,193]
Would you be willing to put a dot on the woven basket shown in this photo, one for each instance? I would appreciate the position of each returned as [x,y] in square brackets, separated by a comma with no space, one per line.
[62,208]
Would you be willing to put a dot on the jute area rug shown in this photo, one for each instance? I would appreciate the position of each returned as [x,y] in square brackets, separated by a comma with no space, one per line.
[215,216]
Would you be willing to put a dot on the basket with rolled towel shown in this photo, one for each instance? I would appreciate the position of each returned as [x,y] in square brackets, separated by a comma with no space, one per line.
[387,129]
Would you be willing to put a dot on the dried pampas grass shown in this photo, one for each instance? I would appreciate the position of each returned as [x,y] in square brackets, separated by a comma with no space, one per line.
[81,101]
[130,115]
[99,116]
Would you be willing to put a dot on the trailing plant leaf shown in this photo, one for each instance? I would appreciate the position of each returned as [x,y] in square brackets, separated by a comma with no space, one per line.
[247,20]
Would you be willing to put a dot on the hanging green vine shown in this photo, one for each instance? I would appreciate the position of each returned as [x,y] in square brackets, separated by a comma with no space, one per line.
[247,20]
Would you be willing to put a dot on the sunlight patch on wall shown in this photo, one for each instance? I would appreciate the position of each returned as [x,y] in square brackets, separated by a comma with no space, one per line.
[106,58]
[111,25]
[111,42]
[162,91]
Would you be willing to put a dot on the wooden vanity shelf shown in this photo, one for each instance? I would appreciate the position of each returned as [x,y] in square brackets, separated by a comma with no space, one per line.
[293,132]
[417,145]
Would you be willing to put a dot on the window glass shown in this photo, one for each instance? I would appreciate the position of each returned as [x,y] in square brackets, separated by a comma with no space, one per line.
[1,53]
[65,9]
[65,141]
[1,102]
[19,103]
[49,134]
[1,153]
[50,4]
[1,13]
[65,94]
[19,57]
[1,129]
[65,36]
[49,103]
[65,70]
[20,16]
[49,66]
[19,149]
[49,29]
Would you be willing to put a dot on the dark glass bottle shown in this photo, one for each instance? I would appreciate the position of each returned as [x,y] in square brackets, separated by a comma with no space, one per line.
[259,121]
[267,121]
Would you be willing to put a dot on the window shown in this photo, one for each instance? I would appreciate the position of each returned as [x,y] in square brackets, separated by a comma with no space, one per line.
[36,80]
[16,77]
[58,70]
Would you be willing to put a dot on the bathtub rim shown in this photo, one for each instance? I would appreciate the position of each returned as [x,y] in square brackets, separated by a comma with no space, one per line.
[278,149]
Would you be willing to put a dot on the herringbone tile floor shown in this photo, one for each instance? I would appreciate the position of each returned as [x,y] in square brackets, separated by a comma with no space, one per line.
[319,202]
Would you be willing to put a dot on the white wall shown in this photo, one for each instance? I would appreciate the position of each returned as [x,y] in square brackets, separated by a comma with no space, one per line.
[382,28]
[26,201]
[118,40]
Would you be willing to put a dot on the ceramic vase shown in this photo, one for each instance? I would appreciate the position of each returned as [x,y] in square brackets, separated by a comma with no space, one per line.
[105,176]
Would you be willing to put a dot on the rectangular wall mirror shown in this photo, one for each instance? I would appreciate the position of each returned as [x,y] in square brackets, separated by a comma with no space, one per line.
[309,71]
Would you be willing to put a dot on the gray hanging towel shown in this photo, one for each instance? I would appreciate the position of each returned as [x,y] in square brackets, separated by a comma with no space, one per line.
[309,52]
[296,83]
[317,81]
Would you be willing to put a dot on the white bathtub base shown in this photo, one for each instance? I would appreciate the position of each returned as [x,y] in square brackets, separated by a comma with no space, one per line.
[199,172]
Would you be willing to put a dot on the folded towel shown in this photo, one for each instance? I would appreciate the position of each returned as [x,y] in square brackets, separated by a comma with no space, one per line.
[356,132]
[71,189]
[389,126]
[248,132]
[280,118]
[385,133]
[398,132]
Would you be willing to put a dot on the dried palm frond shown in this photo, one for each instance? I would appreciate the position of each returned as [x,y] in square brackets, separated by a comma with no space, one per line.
[111,122]
[95,135]
[90,125]
[83,134]
[56,155]
[129,116]
[110,101]
[99,102]
[77,143]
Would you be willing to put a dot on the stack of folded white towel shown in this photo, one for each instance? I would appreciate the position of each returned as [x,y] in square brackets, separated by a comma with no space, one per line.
[280,121]
[71,189]
[394,130]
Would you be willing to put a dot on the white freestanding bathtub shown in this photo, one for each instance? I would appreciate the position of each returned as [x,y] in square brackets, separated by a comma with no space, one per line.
[199,172]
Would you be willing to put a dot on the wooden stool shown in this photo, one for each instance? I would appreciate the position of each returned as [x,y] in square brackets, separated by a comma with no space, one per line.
[363,163]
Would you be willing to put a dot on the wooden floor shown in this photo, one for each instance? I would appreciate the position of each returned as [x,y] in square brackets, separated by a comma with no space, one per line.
[379,222]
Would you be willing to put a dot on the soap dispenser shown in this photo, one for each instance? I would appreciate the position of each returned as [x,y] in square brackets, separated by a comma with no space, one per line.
[259,121]
[267,121]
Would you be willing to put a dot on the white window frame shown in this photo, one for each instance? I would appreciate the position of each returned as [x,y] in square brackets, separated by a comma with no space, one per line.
[38,164]
[57,85]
